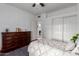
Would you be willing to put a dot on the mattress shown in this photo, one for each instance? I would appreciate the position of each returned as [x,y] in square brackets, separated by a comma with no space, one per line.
[45,47]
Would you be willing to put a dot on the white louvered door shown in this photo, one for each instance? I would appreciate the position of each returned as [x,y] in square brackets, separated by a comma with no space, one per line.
[63,28]
[57,28]
[70,27]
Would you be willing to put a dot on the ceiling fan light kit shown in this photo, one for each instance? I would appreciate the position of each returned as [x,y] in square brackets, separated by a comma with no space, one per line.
[41,4]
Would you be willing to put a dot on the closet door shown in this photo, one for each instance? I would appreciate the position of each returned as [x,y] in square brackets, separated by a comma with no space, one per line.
[70,27]
[57,28]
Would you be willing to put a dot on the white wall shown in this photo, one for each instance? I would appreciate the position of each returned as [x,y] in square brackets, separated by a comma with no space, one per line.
[11,17]
[78,17]
[47,20]
[64,12]
[46,27]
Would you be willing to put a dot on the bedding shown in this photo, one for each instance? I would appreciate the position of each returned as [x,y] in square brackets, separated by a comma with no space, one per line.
[45,47]
[70,46]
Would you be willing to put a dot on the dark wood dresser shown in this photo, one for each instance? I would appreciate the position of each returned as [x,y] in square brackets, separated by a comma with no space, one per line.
[14,40]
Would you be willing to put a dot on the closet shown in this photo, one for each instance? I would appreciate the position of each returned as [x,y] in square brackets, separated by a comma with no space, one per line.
[57,28]
[69,27]
[63,28]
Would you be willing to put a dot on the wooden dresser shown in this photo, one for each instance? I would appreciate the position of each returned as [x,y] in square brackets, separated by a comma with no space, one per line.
[14,40]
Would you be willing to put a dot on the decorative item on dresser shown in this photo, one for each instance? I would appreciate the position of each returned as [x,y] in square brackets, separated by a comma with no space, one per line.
[14,40]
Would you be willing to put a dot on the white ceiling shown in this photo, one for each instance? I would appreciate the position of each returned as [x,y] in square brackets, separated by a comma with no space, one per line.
[49,7]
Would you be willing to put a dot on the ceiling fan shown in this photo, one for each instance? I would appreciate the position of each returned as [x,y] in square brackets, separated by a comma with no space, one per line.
[41,4]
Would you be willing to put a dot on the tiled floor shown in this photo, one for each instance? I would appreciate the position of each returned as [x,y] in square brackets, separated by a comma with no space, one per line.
[18,52]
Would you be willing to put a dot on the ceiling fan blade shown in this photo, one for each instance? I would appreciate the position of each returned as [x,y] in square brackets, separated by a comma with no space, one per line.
[33,5]
[42,4]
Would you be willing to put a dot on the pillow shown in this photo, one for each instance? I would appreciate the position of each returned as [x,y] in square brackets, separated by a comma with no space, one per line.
[70,46]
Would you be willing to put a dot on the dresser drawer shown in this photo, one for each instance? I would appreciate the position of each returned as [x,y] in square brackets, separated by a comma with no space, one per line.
[8,46]
[8,34]
[8,38]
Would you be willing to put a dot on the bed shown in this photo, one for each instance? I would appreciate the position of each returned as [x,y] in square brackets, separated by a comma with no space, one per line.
[44,47]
